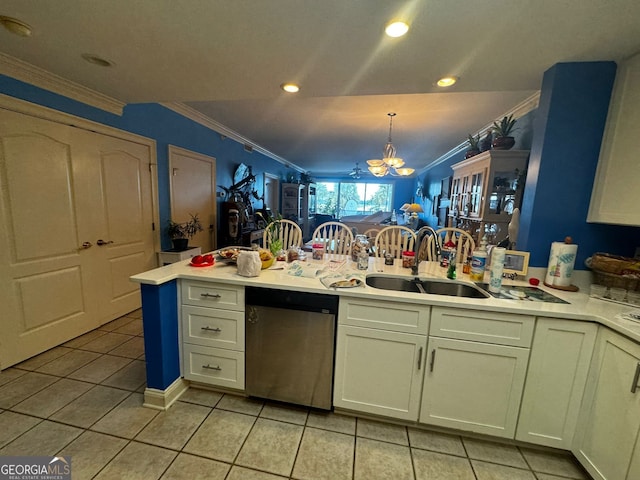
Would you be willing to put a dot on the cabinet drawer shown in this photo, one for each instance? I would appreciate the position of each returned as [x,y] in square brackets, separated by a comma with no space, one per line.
[213,327]
[214,366]
[211,294]
[486,327]
[398,317]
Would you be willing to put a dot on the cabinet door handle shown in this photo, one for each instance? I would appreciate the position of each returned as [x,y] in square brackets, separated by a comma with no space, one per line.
[210,329]
[209,367]
[420,358]
[210,295]
[433,359]
[636,376]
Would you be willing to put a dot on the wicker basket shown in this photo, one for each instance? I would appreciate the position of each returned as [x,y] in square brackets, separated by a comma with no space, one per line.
[618,281]
[605,262]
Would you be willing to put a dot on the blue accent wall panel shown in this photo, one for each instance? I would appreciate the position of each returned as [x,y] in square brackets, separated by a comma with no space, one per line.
[566,144]
[160,322]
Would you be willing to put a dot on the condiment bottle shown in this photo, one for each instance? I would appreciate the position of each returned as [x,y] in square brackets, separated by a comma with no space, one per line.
[451,271]
[408,259]
[478,262]
[466,266]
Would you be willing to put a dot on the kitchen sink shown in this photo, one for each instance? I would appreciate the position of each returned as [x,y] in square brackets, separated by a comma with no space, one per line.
[431,286]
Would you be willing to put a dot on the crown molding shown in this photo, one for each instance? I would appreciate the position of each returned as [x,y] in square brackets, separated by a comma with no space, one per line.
[25,72]
[520,110]
[204,120]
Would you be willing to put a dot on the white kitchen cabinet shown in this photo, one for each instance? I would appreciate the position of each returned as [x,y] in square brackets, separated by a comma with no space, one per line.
[380,353]
[615,197]
[558,368]
[379,371]
[475,385]
[213,334]
[609,419]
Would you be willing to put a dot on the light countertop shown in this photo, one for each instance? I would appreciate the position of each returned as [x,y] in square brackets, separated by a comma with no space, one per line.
[580,306]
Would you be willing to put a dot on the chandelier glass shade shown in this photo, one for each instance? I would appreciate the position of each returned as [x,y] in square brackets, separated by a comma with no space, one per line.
[390,163]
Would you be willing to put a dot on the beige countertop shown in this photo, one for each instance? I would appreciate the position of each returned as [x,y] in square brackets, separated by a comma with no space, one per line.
[580,306]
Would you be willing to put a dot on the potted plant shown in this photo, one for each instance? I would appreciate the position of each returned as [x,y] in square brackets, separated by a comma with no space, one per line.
[473,149]
[181,233]
[503,139]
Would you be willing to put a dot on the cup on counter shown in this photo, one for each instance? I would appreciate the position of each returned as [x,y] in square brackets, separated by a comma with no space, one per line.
[598,291]
[617,294]
[633,297]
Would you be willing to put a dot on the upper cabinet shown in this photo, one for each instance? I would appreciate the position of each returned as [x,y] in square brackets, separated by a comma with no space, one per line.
[615,196]
[485,190]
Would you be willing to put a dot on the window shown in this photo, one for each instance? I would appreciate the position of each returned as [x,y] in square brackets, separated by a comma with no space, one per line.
[353,198]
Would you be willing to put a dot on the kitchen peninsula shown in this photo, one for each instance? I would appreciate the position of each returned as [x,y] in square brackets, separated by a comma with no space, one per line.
[537,372]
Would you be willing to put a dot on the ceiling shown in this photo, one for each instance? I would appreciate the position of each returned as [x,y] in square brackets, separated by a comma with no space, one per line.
[227,59]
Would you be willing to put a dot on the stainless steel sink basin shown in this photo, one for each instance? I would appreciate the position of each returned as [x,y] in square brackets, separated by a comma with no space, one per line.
[434,287]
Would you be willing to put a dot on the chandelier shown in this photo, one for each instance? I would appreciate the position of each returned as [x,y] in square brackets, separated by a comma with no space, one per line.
[390,164]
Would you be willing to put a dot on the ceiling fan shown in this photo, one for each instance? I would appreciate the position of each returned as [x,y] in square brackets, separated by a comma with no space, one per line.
[356,173]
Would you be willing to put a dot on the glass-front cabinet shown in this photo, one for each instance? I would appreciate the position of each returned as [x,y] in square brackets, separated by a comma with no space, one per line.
[485,190]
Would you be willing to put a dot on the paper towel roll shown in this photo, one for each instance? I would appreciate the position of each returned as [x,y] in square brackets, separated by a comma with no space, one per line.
[562,259]
[497,266]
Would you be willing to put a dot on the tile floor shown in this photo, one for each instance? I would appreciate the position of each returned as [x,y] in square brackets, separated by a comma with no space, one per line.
[84,399]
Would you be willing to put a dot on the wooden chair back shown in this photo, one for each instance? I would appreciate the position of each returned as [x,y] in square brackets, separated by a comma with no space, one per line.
[465,245]
[336,237]
[287,231]
[394,239]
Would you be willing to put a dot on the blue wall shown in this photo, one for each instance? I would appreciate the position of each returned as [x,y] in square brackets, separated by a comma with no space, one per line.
[566,142]
[564,135]
[166,128]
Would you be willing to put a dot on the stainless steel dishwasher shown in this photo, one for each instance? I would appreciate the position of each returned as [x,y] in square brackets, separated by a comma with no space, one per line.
[290,343]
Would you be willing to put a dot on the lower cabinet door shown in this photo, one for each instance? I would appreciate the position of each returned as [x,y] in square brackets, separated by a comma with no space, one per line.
[379,372]
[558,368]
[473,386]
[609,419]
[214,366]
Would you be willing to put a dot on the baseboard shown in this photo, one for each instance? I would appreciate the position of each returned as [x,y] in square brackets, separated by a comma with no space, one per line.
[163,399]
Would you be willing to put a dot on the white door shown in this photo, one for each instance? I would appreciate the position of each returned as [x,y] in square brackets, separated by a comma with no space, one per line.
[379,372]
[63,189]
[473,386]
[193,191]
[121,217]
[609,419]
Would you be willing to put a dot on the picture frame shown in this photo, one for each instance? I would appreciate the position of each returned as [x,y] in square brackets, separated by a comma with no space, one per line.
[516,262]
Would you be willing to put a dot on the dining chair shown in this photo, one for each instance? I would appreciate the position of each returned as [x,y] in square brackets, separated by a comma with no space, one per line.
[289,233]
[395,240]
[336,237]
[371,234]
[464,243]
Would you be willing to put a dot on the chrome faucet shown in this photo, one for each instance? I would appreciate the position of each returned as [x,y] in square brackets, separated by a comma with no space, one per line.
[419,236]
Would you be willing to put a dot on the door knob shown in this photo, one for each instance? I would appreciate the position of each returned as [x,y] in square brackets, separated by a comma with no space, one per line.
[85,245]
[101,242]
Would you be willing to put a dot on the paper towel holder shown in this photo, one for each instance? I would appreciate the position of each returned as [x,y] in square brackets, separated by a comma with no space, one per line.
[566,288]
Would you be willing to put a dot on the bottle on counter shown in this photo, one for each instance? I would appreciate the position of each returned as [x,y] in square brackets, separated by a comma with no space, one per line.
[478,262]
[394,218]
[451,271]
[466,266]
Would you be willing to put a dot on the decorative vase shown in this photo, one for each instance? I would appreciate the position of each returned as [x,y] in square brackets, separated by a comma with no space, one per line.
[486,142]
[180,244]
[471,153]
[503,143]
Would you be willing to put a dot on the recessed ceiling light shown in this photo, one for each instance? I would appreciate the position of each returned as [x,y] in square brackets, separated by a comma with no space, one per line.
[290,87]
[396,29]
[447,81]
[96,60]
[15,26]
